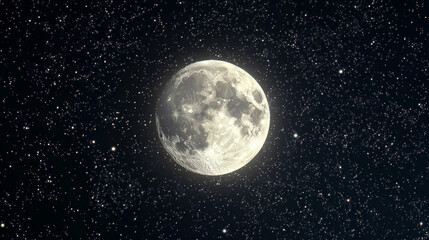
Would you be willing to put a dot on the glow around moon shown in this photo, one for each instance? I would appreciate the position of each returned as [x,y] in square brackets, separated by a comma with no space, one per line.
[213,117]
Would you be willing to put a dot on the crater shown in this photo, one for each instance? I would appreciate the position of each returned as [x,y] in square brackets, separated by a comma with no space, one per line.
[257,96]
[244,131]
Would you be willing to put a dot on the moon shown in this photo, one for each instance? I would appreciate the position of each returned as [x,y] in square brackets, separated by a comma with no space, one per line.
[213,117]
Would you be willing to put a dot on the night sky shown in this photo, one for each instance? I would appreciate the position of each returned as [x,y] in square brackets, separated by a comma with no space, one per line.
[346,155]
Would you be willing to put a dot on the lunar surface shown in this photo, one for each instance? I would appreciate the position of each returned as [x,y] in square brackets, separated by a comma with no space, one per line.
[213,117]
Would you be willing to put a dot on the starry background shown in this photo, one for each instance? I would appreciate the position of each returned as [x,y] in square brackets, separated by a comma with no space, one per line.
[346,155]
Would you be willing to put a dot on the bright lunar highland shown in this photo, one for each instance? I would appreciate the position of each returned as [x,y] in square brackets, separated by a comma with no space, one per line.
[213,117]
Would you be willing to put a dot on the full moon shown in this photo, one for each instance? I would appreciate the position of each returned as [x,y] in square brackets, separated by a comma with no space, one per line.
[213,117]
